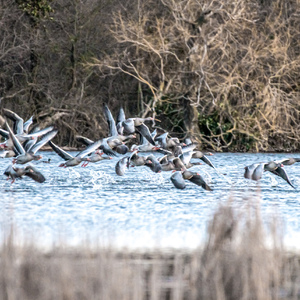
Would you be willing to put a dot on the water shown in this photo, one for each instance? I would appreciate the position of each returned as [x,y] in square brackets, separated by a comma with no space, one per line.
[142,208]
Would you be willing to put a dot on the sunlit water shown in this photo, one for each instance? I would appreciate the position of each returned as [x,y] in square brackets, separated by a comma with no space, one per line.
[142,208]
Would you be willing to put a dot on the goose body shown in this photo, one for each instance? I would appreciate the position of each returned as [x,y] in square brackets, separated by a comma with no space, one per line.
[178,179]
[121,166]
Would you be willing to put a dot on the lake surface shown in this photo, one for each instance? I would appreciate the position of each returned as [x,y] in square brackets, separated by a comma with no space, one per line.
[142,208]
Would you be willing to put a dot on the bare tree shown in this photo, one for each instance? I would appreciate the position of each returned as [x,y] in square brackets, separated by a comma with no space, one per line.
[222,65]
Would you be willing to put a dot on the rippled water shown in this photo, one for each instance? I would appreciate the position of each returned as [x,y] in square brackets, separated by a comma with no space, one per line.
[142,208]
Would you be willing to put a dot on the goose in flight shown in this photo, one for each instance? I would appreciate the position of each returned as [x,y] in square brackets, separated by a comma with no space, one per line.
[110,145]
[72,161]
[32,137]
[289,161]
[12,172]
[153,163]
[178,179]
[144,145]
[19,128]
[120,118]
[135,160]
[255,171]
[133,125]
[27,156]
[122,165]
[95,157]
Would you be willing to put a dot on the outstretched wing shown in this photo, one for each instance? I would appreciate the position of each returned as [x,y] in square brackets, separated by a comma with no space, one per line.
[207,161]
[162,139]
[121,116]
[89,149]
[40,132]
[106,149]
[16,142]
[249,171]
[186,157]
[83,140]
[282,173]
[122,165]
[179,165]
[46,138]
[145,132]
[164,151]
[27,124]
[4,133]
[197,179]
[258,172]
[63,154]
[18,121]
[110,121]
[34,174]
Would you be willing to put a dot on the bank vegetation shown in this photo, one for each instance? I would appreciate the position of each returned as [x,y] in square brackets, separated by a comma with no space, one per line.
[226,73]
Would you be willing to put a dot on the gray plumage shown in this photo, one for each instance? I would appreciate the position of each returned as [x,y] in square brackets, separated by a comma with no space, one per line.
[122,165]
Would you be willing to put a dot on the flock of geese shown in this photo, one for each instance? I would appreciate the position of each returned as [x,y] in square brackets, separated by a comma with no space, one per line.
[22,144]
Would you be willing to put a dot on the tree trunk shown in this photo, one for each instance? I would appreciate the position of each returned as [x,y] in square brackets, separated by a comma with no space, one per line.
[191,119]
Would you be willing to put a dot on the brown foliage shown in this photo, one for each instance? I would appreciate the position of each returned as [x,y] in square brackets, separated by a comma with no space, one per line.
[226,72]
[42,66]
[236,61]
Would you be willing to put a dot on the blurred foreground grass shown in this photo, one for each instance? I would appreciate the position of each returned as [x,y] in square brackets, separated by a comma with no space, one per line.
[243,257]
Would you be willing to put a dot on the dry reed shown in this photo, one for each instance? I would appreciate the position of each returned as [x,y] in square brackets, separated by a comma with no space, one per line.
[242,258]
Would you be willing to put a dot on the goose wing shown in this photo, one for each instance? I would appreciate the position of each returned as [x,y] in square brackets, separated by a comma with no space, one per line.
[289,161]
[186,157]
[143,140]
[154,133]
[189,148]
[122,165]
[4,133]
[164,151]
[249,171]
[162,139]
[163,160]
[145,132]
[128,126]
[83,140]
[106,149]
[258,171]
[89,149]
[198,179]
[16,142]
[179,165]
[28,144]
[133,155]
[46,138]
[18,121]
[63,154]
[27,124]
[207,161]
[8,170]
[121,116]
[110,121]
[282,173]
[40,132]
[34,174]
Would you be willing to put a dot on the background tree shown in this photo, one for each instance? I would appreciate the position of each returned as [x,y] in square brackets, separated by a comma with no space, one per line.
[228,71]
